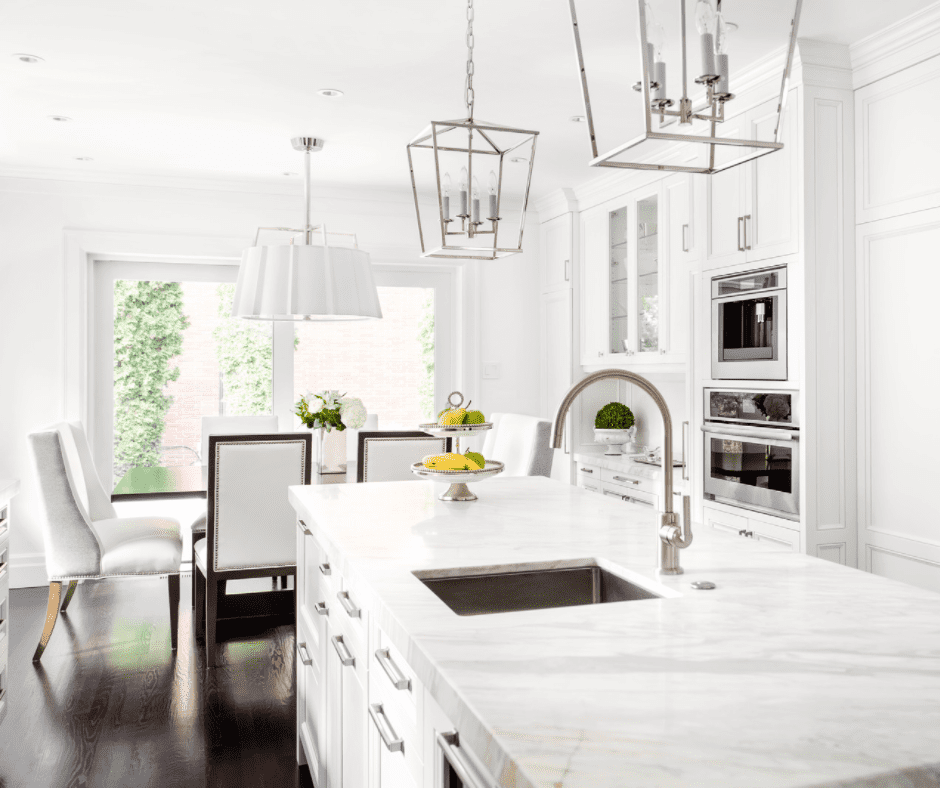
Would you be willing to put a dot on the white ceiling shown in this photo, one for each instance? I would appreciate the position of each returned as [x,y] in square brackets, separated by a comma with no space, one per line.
[202,88]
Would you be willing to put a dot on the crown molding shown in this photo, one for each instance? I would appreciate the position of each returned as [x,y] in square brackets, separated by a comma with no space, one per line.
[822,64]
[899,46]
[556,203]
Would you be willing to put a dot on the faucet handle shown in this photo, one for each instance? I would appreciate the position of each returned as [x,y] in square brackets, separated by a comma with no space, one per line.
[686,538]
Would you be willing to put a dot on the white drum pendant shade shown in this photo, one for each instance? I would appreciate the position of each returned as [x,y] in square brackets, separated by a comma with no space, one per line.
[301,282]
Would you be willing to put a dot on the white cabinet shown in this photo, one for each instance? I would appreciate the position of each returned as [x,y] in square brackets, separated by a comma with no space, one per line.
[595,284]
[683,245]
[555,245]
[556,336]
[752,208]
[760,530]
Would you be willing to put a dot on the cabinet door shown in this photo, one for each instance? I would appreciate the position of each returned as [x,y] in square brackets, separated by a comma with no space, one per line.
[681,252]
[595,284]
[556,349]
[649,296]
[355,730]
[555,251]
[724,202]
[771,217]
[333,762]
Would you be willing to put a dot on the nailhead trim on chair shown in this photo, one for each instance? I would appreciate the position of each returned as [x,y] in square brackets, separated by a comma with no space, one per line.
[63,578]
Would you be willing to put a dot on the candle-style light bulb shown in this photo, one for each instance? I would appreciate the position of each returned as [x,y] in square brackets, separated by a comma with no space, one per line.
[656,40]
[723,33]
[463,191]
[706,22]
[445,188]
[475,215]
[492,196]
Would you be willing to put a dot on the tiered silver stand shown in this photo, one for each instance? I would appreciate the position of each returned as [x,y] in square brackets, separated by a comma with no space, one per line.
[458,490]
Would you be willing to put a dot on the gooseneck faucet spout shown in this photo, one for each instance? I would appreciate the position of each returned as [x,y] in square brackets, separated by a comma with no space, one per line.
[672,537]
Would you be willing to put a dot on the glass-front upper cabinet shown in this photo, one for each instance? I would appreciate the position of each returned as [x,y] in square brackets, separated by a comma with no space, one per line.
[619,282]
[647,274]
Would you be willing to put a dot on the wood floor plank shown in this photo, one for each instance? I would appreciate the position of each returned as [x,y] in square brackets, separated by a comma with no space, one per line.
[112,705]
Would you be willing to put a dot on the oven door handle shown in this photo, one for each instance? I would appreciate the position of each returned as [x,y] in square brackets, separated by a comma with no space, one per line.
[750,432]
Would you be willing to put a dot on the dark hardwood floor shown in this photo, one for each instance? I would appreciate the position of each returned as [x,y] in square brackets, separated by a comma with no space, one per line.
[111,705]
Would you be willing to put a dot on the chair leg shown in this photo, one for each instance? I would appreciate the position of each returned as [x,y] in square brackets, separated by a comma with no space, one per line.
[52,613]
[212,604]
[199,611]
[173,583]
[73,584]
[193,595]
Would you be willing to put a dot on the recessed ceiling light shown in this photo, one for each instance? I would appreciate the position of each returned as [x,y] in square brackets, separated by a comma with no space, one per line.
[519,160]
[289,174]
[60,118]
[25,58]
[84,158]
[330,92]
[577,118]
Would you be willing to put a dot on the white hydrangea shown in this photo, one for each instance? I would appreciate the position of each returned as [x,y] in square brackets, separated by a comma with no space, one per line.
[352,412]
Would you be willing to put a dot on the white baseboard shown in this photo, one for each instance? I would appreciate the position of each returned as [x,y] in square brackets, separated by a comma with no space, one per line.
[28,570]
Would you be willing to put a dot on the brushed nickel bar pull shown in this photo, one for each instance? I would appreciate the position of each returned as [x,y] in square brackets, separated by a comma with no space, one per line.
[625,479]
[746,219]
[685,455]
[325,569]
[321,608]
[389,738]
[351,610]
[586,470]
[399,680]
[304,654]
[567,270]
[740,222]
[345,655]
[685,243]
[450,748]
[303,527]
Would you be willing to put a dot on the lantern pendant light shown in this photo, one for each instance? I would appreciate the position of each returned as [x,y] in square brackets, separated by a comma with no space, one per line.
[468,222]
[707,113]
[306,281]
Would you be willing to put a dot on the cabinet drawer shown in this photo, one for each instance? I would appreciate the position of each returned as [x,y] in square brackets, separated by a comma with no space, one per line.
[725,522]
[625,479]
[349,602]
[396,742]
[347,646]
[393,681]
[775,535]
[311,697]
[630,495]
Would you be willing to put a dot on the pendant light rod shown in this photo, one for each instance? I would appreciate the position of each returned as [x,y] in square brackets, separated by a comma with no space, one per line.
[308,145]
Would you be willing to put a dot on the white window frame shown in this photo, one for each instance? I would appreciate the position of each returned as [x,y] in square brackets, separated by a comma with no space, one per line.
[456,317]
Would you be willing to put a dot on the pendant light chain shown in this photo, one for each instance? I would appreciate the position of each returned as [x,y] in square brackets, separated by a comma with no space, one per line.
[468,90]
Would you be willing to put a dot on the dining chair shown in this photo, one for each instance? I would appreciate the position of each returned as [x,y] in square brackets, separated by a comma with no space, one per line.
[388,456]
[251,527]
[225,425]
[84,537]
[521,443]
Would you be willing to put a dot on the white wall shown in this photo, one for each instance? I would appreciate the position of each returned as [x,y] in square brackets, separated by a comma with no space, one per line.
[36,212]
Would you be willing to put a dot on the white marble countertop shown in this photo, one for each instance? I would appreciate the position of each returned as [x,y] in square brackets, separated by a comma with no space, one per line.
[792,672]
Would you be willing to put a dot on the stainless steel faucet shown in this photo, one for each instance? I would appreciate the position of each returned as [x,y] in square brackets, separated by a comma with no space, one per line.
[672,537]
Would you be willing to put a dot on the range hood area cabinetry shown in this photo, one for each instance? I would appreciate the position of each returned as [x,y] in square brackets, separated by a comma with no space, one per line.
[752,210]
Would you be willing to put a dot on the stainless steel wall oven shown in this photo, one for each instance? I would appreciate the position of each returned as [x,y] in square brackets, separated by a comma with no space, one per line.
[749,325]
[752,450]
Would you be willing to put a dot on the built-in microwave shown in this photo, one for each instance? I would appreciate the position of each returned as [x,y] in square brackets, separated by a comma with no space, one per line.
[752,450]
[749,325]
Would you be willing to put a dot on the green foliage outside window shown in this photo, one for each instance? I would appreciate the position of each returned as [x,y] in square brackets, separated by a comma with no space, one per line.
[245,354]
[148,333]
[426,339]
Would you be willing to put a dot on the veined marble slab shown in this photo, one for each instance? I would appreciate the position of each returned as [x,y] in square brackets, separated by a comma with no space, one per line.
[793,672]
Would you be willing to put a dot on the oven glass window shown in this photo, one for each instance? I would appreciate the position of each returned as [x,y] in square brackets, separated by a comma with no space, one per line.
[747,329]
[752,464]
[762,280]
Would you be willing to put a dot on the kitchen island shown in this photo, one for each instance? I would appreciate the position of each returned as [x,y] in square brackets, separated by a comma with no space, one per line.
[791,672]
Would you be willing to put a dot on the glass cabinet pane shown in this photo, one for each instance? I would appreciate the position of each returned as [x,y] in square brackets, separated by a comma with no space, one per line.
[619,300]
[647,274]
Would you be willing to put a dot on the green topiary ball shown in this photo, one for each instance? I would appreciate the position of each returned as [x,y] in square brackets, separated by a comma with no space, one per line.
[614,416]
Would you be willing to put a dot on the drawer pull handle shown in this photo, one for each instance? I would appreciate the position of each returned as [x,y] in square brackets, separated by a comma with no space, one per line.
[304,654]
[321,608]
[587,470]
[351,610]
[386,731]
[345,655]
[303,527]
[449,744]
[399,680]
[624,479]
[325,569]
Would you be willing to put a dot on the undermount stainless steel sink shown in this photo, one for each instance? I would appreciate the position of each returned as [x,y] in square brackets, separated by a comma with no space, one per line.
[475,593]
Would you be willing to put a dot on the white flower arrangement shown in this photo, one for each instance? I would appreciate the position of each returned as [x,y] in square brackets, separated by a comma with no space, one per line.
[331,410]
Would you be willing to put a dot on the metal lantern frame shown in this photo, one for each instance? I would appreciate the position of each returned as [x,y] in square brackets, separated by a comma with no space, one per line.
[712,111]
[430,139]
[476,138]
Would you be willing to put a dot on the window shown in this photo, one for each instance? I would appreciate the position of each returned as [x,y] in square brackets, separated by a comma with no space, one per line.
[167,352]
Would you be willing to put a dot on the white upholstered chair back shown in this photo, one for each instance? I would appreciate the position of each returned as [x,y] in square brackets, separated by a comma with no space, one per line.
[521,443]
[388,456]
[251,521]
[234,425]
